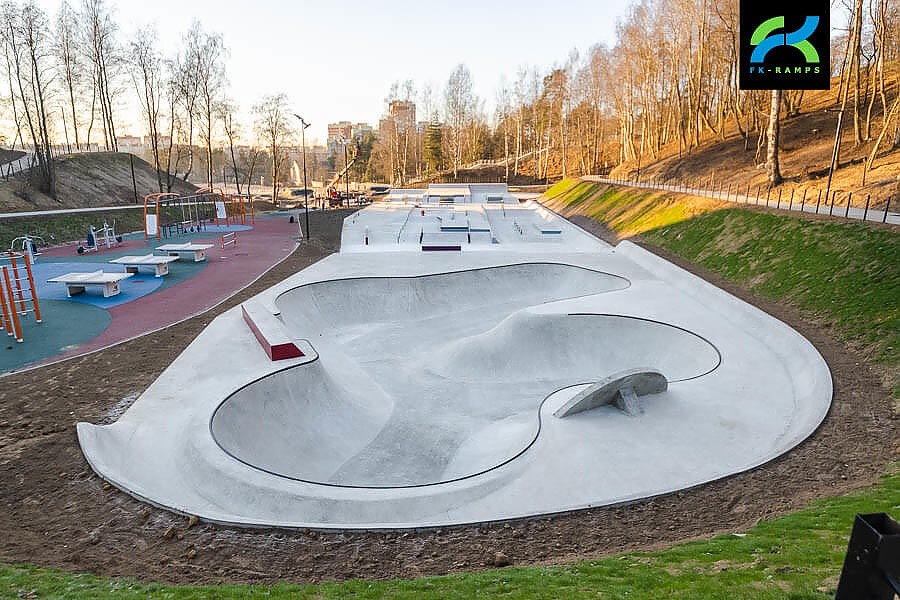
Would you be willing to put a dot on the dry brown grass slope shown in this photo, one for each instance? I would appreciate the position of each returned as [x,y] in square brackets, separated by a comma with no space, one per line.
[806,146]
[86,180]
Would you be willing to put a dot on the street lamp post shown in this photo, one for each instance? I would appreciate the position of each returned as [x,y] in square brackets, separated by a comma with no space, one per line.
[304,125]
[346,173]
[343,141]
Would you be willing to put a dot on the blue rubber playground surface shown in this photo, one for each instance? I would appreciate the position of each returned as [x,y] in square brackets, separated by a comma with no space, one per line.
[131,289]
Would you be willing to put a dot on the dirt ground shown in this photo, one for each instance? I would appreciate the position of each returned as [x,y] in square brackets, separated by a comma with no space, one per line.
[88,179]
[56,512]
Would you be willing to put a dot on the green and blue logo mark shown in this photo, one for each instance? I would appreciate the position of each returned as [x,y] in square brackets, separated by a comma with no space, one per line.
[766,40]
[785,46]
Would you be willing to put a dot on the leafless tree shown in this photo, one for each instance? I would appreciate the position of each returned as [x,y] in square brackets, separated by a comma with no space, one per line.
[459,102]
[100,48]
[226,114]
[28,51]
[69,62]
[146,72]
[184,72]
[773,165]
[272,126]
[207,53]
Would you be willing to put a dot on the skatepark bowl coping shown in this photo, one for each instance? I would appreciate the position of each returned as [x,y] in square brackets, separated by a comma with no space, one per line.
[446,388]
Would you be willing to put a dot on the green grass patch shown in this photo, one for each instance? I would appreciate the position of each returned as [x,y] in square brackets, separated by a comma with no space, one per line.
[57,229]
[845,274]
[798,556]
[627,212]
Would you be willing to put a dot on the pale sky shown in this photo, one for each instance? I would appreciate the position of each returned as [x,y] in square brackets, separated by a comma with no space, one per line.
[336,59]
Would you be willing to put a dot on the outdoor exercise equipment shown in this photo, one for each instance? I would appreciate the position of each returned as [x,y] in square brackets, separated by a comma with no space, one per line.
[216,199]
[241,205]
[228,239]
[105,235]
[167,212]
[28,244]
[152,205]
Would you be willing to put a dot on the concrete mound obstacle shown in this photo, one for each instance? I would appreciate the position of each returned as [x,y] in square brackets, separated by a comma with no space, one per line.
[581,348]
[623,388]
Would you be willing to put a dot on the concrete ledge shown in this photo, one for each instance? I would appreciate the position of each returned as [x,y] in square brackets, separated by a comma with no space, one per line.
[270,332]
[441,248]
[547,229]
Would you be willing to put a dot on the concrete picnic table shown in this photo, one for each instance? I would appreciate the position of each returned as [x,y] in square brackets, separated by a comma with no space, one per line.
[196,251]
[77,283]
[158,265]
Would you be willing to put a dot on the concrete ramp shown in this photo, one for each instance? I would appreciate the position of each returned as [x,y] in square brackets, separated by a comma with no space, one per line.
[581,348]
[624,388]
[344,302]
[302,423]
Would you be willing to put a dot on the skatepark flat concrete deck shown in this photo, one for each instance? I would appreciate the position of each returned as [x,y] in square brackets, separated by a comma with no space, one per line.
[426,393]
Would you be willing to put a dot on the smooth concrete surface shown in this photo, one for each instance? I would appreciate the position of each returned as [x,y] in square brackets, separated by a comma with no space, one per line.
[429,382]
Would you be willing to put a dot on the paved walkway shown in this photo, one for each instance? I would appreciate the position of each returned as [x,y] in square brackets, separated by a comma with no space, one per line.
[15,166]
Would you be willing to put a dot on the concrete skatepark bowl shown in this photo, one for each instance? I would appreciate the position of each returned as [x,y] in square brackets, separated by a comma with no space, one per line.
[436,388]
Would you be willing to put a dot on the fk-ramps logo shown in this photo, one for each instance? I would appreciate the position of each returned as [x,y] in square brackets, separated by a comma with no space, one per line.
[785,45]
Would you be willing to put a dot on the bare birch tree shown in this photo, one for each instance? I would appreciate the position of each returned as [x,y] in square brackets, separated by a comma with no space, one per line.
[99,43]
[146,72]
[69,62]
[458,105]
[209,79]
[28,50]
[272,126]
[773,165]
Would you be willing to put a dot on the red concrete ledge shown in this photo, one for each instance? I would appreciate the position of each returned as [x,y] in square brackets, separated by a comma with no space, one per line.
[269,332]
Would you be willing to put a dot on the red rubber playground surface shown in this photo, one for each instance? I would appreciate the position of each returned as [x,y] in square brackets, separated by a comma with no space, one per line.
[271,239]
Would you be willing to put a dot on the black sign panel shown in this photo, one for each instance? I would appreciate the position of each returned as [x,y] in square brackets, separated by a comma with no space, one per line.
[785,45]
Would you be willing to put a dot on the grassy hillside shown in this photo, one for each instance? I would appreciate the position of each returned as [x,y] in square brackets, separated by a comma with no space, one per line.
[627,212]
[845,275]
[85,180]
[59,229]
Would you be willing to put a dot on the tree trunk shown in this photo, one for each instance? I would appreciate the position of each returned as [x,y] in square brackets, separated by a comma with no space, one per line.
[884,129]
[773,169]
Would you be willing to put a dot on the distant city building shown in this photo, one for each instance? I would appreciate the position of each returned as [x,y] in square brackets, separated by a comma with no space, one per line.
[403,113]
[131,144]
[342,130]
[360,130]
